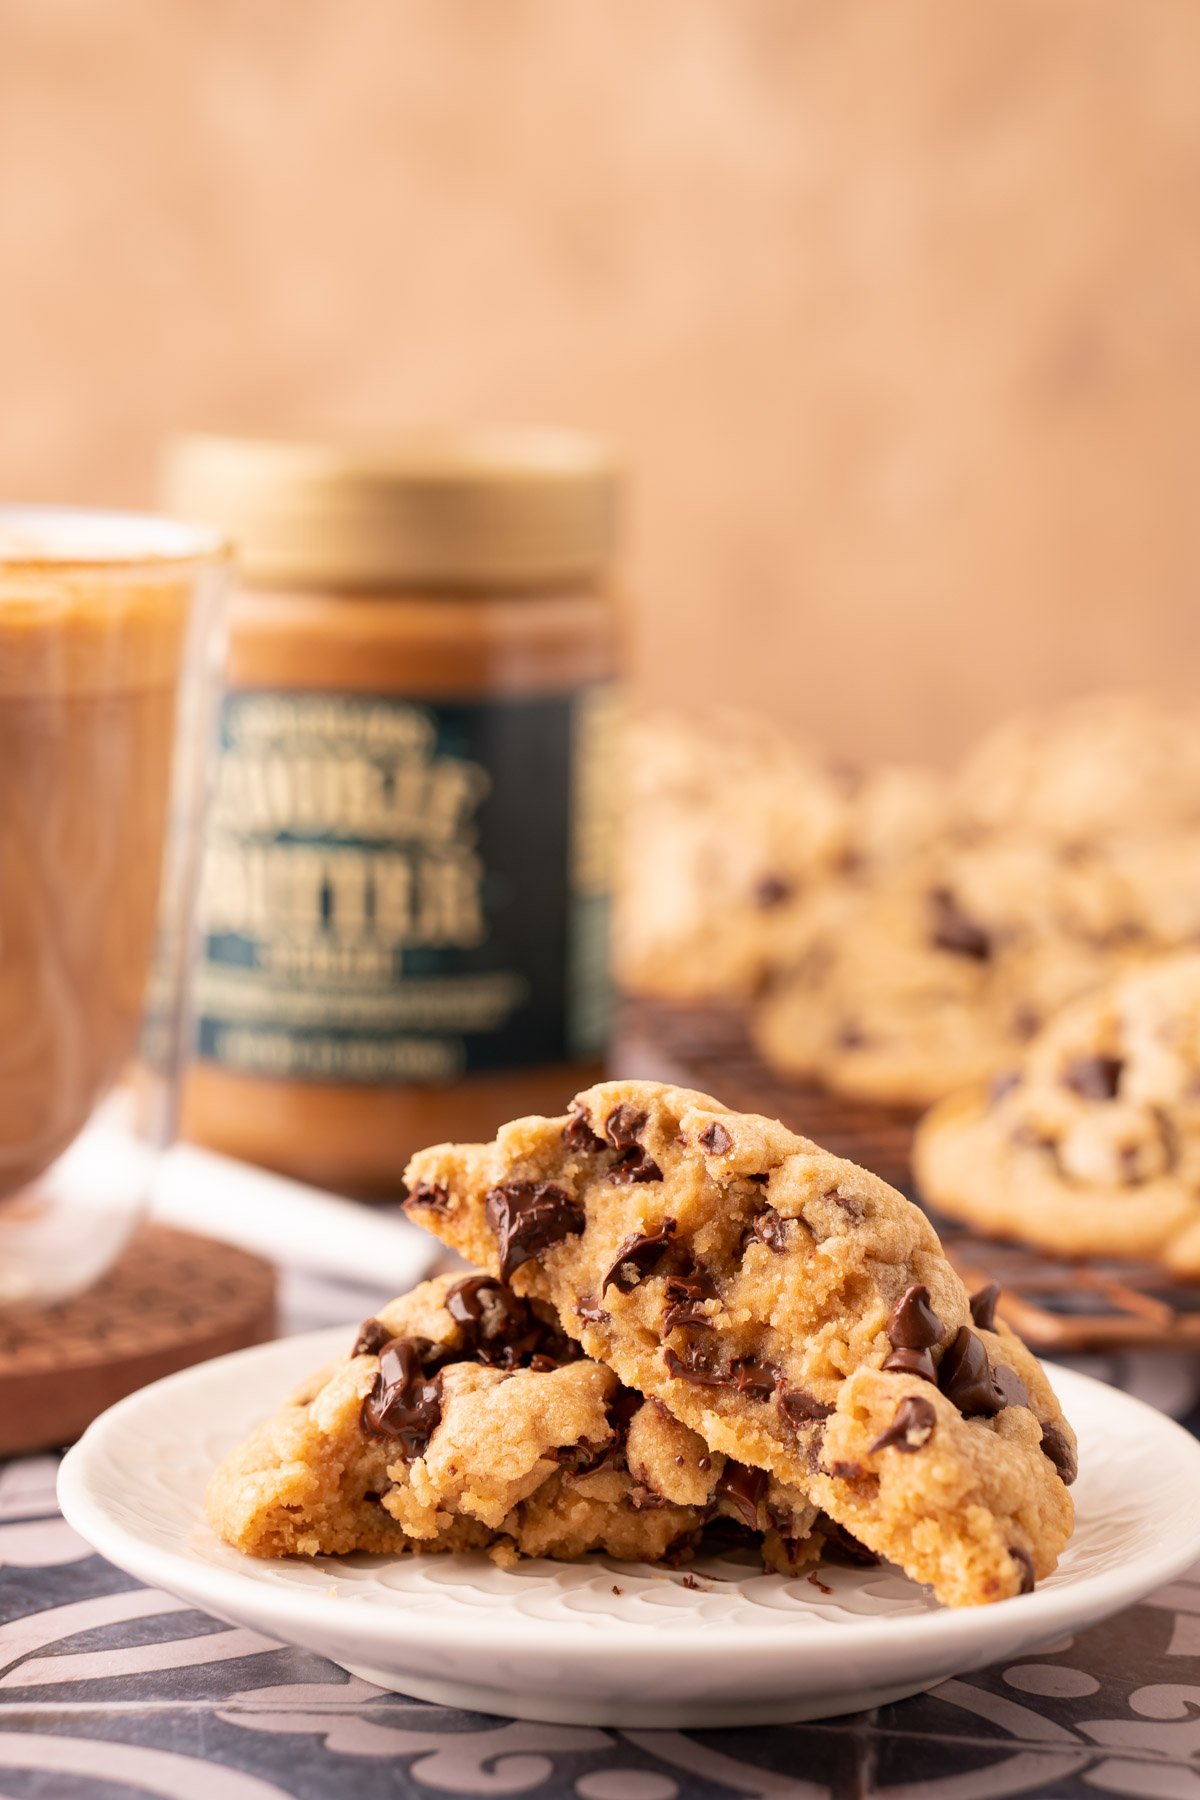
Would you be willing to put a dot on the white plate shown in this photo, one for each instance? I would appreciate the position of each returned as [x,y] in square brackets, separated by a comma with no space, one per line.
[603,1643]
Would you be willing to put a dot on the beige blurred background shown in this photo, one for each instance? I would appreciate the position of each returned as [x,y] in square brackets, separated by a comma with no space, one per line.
[894,304]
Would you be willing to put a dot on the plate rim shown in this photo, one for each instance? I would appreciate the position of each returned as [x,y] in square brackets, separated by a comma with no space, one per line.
[1045,1611]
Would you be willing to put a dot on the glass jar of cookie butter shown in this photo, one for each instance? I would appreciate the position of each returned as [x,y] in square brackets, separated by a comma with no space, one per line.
[405,900]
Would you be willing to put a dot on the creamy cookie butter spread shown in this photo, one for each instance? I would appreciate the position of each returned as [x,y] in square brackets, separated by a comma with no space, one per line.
[405,899]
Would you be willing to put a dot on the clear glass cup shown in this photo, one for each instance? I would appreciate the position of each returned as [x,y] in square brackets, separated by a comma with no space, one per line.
[111,651]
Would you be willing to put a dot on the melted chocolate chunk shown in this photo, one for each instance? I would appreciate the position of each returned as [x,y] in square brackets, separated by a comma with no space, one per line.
[1011,1386]
[1024,1562]
[692,1367]
[913,1324]
[716,1139]
[622,1126]
[643,1498]
[842,1546]
[585,1458]
[591,1312]
[955,930]
[686,1290]
[1056,1446]
[744,1488]
[757,1380]
[966,1377]
[983,1306]
[496,1325]
[622,1409]
[801,1408]
[911,1429]
[770,1228]
[403,1404]
[772,890]
[1095,1077]
[528,1216]
[849,1203]
[577,1133]
[634,1165]
[429,1193]
[912,1362]
[637,1257]
[373,1334]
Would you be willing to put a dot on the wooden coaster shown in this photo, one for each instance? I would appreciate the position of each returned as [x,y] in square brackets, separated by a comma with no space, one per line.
[707,1047]
[172,1300]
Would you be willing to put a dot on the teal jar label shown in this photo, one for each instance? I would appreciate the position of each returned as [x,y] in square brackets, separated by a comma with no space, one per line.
[406,892]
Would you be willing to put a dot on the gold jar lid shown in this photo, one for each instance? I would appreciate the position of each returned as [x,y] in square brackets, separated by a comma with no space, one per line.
[477,507]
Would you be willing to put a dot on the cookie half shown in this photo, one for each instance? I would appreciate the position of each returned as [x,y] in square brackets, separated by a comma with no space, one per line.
[789,1308]
[460,1420]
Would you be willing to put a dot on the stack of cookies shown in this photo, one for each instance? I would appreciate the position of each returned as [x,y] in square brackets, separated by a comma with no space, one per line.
[685,1319]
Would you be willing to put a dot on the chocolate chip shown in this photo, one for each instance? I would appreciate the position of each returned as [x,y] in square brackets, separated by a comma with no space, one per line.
[623,1125]
[495,1324]
[637,1257]
[772,890]
[1011,1386]
[955,930]
[591,1313]
[1131,1162]
[691,1367]
[912,1362]
[849,1203]
[753,1378]
[528,1216]
[634,1165]
[433,1194]
[1002,1084]
[744,1488]
[965,1377]
[1095,1077]
[846,1471]
[685,1293]
[577,1133]
[1026,1023]
[1057,1447]
[983,1306]
[643,1498]
[373,1334]
[402,1403]
[1024,1562]
[770,1228]
[911,1429]
[800,1408]
[715,1138]
[842,1546]
[913,1324]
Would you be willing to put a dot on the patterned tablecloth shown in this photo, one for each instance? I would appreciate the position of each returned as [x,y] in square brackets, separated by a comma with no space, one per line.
[109,1689]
